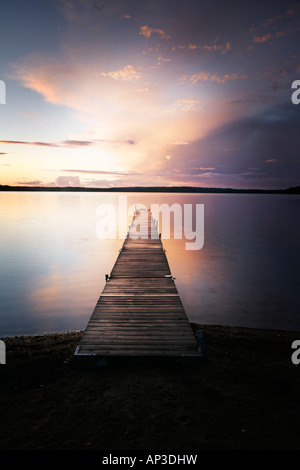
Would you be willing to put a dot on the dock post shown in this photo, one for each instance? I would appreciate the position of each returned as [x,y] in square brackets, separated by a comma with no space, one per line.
[202,349]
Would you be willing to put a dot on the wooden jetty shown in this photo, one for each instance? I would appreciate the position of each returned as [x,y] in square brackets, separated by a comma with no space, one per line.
[139,313]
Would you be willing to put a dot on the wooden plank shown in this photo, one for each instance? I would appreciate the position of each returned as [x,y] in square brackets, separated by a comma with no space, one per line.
[139,312]
[106,353]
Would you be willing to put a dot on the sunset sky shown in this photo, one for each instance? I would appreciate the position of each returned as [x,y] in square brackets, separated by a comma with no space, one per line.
[149,93]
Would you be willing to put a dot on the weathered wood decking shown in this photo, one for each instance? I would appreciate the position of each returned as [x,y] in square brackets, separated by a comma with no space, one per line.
[139,313]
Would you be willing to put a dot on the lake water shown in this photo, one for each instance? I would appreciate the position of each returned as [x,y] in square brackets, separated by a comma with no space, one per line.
[53,263]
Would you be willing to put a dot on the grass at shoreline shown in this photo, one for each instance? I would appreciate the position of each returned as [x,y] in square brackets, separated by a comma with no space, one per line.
[245,396]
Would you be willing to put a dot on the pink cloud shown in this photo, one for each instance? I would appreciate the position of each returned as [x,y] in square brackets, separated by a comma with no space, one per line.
[69,181]
[48,79]
[66,143]
[127,74]
[262,39]
[223,48]
[147,31]
[102,172]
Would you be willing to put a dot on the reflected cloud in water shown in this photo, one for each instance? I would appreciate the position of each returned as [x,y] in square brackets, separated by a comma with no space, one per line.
[53,265]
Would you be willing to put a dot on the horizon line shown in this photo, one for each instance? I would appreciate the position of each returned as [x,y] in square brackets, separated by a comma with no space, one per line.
[191,189]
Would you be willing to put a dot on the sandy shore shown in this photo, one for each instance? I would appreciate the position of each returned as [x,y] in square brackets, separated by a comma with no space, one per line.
[245,396]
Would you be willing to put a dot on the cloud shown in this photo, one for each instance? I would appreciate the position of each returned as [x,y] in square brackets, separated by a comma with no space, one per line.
[111,104]
[147,32]
[27,114]
[66,143]
[127,142]
[79,12]
[201,168]
[126,16]
[69,10]
[123,174]
[76,143]
[127,74]
[258,99]
[102,172]
[223,48]
[114,142]
[20,142]
[3,153]
[161,60]
[233,149]
[46,78]
[69,181]
[29,183]
[267,37]
[193,46]
[249,142]
[102,183]
[289,13]
[210,77]
[180,142]
[187,104]
[262,39]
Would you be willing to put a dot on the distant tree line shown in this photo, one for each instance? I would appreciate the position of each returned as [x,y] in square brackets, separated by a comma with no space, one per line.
[153,189]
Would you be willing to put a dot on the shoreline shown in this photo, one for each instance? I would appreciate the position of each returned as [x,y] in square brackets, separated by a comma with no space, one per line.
[195,327]
[244,396]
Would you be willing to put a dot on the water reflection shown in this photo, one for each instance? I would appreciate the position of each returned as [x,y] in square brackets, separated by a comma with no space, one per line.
[53,265]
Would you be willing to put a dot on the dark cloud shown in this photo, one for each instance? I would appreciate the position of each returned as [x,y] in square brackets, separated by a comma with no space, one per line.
[68,143]
[291,11]
[30,183]
[20,142]
[76,143]
[260,146]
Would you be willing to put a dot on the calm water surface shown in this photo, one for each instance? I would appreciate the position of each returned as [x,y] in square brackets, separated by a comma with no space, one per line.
[53,265]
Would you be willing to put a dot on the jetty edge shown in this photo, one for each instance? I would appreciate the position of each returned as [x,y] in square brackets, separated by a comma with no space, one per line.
[139,315]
